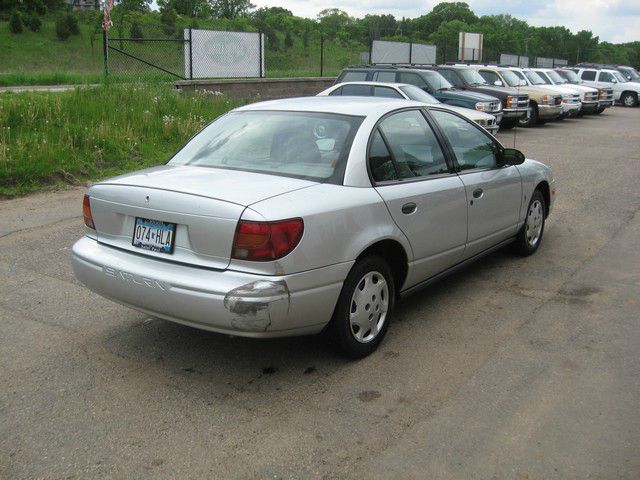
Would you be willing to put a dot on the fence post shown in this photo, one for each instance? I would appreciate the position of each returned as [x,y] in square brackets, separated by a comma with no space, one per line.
[260,42]
[105,46]
[410,51]
[190,55]
[371,51]
[321,54]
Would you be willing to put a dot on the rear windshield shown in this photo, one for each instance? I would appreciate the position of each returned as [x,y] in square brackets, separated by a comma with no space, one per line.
[307,145]
[417,94]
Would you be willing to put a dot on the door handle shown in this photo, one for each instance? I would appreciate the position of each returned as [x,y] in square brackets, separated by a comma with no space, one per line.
[409,208]
[477,193]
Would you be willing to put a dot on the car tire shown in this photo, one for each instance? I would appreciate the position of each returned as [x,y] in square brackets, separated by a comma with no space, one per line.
[531,119]
[629,99]
[368,292]
[507,124]
[530,235]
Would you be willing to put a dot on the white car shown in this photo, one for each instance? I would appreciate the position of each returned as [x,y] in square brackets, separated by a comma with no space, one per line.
[623,91]
[571,103]
[408,92]
[588,95]
[287,217]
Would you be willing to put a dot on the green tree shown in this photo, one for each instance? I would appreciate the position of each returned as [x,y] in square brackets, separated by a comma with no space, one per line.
[15,22]
[442,13]
[136,31]
[168,17]
[62,28]
[230,8]
[33,22]
[333,20]
[288,40]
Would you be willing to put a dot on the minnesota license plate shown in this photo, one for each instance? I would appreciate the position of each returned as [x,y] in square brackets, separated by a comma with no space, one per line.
[154,235]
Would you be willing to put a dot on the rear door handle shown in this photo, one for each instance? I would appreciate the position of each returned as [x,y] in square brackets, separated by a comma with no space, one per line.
[409,208]
[477,193]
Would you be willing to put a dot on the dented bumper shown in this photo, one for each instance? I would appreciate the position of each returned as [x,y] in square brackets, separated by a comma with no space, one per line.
[227,301]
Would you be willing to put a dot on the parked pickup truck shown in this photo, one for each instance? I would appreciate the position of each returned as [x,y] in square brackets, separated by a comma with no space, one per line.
[429,81]
[543,104]
[571,104]
[588,95]
[605,94]
[515,104]
[624,92]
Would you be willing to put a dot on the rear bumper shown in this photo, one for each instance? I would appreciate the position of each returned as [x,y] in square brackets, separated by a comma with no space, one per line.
[228,302]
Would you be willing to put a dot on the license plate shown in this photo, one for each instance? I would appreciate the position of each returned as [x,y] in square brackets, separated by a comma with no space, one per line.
[154,235]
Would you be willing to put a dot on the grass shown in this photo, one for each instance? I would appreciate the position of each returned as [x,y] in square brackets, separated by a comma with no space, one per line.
[39,58]
[85,134]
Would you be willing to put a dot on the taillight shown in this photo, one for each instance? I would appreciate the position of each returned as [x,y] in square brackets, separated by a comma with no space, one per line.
[266,241]
[86,212]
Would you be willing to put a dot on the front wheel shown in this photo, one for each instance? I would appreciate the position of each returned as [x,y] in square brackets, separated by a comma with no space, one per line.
[530,235]
[629,99]
[531,118]
[364,308]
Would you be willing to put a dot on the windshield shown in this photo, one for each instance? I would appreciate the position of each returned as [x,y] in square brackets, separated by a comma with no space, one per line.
[436,81]
[417,94]
[306,145]
[534,78]
[619,76]
[472,77]
[572,76]
[556,78]
[512,79]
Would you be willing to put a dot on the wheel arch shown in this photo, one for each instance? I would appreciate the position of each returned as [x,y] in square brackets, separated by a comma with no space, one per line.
[394,253]
[543,186]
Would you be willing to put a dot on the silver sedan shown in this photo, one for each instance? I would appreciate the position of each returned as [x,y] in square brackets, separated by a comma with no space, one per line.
[294,216]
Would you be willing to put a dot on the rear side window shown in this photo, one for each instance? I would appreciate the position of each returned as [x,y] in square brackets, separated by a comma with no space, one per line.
[337,92]
[352,76]
[490,77]
[588,75]
[387,92]
[380,162]
[413,145]
[387,77]
[357,90]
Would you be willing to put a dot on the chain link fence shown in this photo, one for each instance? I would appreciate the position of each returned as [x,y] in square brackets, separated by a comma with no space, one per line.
[196,53]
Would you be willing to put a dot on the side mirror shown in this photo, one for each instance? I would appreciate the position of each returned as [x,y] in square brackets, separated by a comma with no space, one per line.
[497,83]
[511,156]
[614,80]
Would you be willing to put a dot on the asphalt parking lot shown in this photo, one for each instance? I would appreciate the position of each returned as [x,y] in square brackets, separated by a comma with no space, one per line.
[513,368]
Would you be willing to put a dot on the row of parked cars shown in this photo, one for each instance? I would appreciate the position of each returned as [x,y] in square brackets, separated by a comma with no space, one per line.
[496,96]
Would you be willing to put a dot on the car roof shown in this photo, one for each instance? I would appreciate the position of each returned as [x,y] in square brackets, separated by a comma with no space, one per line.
[372,83]
[344,105]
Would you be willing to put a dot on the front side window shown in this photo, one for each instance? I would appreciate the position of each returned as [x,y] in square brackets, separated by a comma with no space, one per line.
[491,77]
[606,77]
[411,79]
[413,145]
[512,79]
[308,145]
[451,76]
[472,147]
[386,92]
[589,75]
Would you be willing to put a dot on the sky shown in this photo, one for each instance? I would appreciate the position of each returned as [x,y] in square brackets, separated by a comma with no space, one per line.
[615,21]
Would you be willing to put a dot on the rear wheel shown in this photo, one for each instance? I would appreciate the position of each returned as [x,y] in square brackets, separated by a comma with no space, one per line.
[629,99]
[531,118]
[530,235]
[507,124]
[365,306]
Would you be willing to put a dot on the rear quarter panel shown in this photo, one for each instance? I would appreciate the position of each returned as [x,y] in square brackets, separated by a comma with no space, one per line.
[340,222]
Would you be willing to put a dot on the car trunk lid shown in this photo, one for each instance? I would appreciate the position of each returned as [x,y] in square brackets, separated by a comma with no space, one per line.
[205,204]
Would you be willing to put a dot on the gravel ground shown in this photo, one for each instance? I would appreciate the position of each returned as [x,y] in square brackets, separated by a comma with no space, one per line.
[513,368]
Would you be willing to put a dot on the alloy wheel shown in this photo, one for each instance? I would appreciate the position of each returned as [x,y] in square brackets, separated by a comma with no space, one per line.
[535,218]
